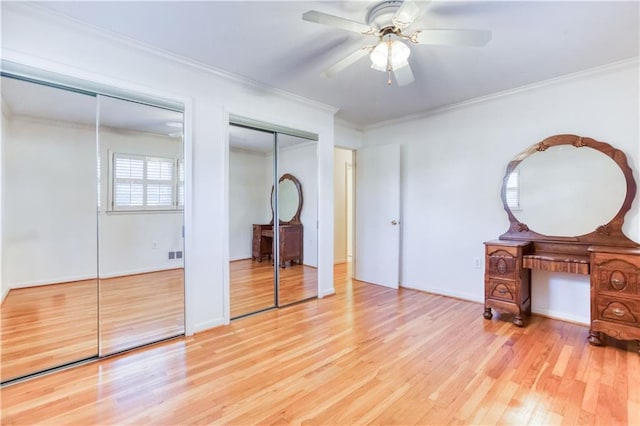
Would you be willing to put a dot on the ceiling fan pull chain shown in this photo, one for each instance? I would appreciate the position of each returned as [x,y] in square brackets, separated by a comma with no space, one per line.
[389,44]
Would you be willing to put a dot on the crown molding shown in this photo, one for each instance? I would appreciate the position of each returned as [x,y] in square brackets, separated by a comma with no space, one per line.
[40,12]
[602,69]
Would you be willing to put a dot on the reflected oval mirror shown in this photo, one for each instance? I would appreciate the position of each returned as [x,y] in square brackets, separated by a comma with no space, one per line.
[551,189]
[288,200]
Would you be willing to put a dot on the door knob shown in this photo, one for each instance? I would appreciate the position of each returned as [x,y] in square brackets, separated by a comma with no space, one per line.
[394,222]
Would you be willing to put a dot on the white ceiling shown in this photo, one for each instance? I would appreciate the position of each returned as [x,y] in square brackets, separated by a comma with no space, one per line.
[268,42]
[22,98]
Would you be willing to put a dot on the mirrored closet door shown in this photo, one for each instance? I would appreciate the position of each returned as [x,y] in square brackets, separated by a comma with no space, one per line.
[251,174]
[141,261]
[297,209]
[92,226]
[272,217]
[49,192]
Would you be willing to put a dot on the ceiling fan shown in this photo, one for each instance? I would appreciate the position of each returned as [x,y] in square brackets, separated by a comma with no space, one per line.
[387,21]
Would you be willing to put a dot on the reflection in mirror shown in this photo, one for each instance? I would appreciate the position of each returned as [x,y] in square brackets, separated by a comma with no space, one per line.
[298,246]
[251,272]
[49,287]
[555,188]
[288,200]
[141,263]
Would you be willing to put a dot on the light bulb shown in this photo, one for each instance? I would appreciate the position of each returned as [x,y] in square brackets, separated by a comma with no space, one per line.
[379,56]
[399,54]
[381,60]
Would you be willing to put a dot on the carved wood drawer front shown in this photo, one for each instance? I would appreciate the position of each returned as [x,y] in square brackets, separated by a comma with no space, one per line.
[618,276]
[502,265]
[502,290]
[625,311]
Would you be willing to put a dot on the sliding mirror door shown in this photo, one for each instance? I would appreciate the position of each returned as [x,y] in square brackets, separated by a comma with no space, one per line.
[141,255]
[297,211]
[251,175]
[49,194]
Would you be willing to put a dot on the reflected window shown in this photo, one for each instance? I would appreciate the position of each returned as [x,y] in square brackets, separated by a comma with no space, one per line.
[146,183]
[513,191]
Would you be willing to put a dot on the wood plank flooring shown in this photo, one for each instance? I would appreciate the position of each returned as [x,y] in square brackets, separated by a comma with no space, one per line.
[367,355]
[139,309]
[51,325]
[48,326]
[252,289]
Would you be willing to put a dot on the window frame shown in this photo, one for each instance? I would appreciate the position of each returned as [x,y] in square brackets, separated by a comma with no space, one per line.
[175,184]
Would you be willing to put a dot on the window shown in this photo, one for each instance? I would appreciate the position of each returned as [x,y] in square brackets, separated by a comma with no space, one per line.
[513,191]
[147,183]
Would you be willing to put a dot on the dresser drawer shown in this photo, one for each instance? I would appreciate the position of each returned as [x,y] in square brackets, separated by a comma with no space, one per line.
[501,290]
[616,309]
[501,265]
[617,276]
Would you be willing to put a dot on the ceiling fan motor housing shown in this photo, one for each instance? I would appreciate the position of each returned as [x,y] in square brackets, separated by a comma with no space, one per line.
[381,15]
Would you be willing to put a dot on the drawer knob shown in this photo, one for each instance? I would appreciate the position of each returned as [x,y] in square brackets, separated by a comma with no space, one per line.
[502,290]
[501,266]
[618,312]
[618,280]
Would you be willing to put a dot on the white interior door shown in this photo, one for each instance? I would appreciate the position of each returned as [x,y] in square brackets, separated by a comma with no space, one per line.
[377,214]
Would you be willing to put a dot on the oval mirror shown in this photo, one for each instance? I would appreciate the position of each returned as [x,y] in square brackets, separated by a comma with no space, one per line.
[557,188]
[550,189]
[289,199]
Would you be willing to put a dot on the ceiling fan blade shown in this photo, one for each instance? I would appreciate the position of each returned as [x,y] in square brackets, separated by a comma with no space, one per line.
[404,75]
[349,60]
[452,37]
[337,22]
[408,12]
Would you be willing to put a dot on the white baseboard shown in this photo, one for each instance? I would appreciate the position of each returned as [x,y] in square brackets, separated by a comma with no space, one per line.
[166,267]
[454,294]
[338,261]
[327,292]
[557,315]
[5,291]
[207,325]
[59,280]
[69,279]
[562,316]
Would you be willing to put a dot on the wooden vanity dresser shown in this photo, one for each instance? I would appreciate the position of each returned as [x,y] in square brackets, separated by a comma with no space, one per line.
[610,258]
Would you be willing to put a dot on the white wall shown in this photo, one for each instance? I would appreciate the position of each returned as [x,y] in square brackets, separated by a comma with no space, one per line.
[50,205]
[38,39]
[453,163]
[250,177]
[4,126]
[301,162]
[132,243]
[49,202]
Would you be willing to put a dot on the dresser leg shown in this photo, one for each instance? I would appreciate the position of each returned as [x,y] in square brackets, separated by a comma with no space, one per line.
[518,321]
[595,338]
[487,313]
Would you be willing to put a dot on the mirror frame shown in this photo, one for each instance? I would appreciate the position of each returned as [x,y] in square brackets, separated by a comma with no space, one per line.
[296,217]
[606,234]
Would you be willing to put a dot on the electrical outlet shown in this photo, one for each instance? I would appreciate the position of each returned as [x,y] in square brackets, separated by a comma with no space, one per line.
[178,255]
[154,245]
[172,255]
[477,263]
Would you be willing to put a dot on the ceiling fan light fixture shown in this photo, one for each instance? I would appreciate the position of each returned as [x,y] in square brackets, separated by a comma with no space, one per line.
[389,54]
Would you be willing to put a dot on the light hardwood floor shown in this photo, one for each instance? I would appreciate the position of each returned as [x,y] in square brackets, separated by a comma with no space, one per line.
[252,288]
[139,309]
[366,355]
[51,325]
[48,326]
